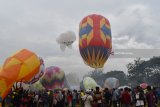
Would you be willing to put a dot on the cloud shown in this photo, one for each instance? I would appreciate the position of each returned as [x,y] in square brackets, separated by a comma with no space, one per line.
[35,25]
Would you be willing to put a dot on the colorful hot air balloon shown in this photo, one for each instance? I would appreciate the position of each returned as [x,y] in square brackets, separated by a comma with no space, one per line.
[53,78]
[95,41]
[89,83]
[24,65]
[21,66]
[39,74]
[111,83]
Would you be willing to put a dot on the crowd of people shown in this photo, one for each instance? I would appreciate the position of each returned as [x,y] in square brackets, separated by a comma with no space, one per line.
[126,97]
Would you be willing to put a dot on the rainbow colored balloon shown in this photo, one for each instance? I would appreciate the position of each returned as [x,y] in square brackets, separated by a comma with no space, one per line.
[95,41]
[53,78]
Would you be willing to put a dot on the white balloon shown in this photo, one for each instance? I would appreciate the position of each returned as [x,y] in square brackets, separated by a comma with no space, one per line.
[111,83]
[66,39]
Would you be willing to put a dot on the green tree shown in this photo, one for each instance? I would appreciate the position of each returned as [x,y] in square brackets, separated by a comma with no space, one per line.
[120,75]
[144,71]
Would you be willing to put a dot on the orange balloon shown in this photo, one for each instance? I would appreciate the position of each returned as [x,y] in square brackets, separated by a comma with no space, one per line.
[21,66]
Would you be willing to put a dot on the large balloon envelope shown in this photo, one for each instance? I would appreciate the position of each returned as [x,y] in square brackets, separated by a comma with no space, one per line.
[95,41]
[89,83]
[21,66]
[39,74]
[53,78]
[111,83]
[24,65]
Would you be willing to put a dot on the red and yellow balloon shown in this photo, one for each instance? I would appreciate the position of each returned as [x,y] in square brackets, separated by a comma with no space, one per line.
[95,41]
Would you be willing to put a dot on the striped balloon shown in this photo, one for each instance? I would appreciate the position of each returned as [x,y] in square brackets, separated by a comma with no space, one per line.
[95,41]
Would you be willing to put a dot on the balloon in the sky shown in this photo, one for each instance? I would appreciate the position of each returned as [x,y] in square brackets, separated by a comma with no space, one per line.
[21,66]
[89,83]
[95,41]
[39,74]
[66,39]
[111,83]
[53,78]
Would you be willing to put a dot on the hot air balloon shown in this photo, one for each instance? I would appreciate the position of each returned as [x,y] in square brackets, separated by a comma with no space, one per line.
[66,39]
[95,41]
[39,74]
[24,65]
[37,86]
[53,78]
[89,83]
[21,66]
[73,80]
[111,83]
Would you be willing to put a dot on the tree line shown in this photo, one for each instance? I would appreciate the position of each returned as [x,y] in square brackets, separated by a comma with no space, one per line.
[139,71]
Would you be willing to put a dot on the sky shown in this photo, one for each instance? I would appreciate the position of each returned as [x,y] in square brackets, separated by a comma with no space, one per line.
[36,24]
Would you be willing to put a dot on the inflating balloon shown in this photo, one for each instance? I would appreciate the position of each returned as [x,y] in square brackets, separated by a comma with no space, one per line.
[73,80]
[53,78]
[89,83]
[111,83]
[24,65]
[39,74]
[95,41]
[21,66]
[66,40]
[37,86]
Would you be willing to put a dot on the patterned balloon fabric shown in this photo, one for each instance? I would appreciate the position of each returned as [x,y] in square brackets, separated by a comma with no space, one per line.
[20,67]
[95,41]
[53,78]
[39,74]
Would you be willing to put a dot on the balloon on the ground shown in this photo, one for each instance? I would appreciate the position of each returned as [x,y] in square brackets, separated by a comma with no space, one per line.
[4,87]
[95,41]
[73,80]
[53,78]
[39,74]
[21,85]
[66,39]
[89,83]
[111,83]
[37,86]
[21,66]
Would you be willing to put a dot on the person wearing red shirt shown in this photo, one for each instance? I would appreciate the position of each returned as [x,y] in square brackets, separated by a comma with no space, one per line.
[126,98]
